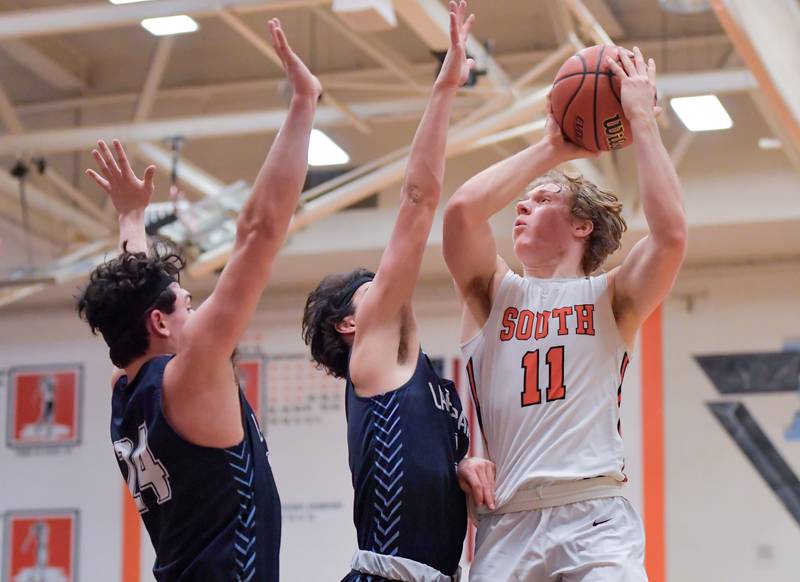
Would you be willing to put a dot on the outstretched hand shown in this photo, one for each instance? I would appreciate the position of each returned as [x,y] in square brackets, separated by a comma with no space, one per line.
[456,66]
[128,193]
[304,83]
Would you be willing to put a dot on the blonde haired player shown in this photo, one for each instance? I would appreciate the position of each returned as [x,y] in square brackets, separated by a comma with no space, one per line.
[546,352]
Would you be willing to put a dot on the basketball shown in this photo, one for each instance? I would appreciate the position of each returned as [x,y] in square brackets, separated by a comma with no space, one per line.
[586,103]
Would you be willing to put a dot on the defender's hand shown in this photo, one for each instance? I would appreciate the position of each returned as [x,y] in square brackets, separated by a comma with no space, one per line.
[304,83]
[128,193]
[476,479]
[456,66]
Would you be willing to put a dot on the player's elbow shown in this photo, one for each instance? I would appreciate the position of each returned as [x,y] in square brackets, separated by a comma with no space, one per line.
[459,211]
[256,231]
[674,239]
[422,194]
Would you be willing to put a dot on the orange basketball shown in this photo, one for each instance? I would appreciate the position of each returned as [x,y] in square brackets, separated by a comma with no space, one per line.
[586,101]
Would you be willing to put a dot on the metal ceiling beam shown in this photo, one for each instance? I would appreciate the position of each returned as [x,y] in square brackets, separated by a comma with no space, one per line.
[7,113]
[383,176]
[189,173]
[68,139]
[43,66]
[242,123]
[43,227]
[158,65]
[102,15]
[605,18]
[765,35]
[375,77]
[78,197]
[431,21]
[588,21]
[47,205]
[258,42]
[389,59]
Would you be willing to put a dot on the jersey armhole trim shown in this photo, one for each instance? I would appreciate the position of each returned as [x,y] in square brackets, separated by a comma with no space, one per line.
[501,290]
[628,349]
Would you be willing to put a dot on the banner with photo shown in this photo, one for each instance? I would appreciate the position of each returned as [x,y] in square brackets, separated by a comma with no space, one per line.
[44,406]
[40,546]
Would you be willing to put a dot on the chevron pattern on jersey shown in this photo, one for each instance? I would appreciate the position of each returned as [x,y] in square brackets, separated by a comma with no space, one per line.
[241,463]
[387,475]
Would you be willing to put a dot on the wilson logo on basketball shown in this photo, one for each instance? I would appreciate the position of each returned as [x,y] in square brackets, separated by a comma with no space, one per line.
[579,129]
[615,132]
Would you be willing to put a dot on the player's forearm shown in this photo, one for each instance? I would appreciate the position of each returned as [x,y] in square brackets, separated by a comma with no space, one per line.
[659,187]
[280,180]
[132,233]
[423,179]
[493,189]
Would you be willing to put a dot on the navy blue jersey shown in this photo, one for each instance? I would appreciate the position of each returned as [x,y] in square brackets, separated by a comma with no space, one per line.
[404,447]
[212,513]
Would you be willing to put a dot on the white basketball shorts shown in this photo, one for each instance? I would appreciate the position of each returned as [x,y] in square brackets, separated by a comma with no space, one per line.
[600,540]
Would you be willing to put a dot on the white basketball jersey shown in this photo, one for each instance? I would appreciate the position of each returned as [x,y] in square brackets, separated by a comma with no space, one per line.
[545,374]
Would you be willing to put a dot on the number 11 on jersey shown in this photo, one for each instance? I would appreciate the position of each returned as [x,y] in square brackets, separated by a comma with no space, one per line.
[556,390]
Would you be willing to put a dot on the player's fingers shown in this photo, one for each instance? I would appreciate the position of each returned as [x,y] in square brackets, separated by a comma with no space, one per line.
[638,59]
[454,37]
[488,486]
[149,174]
[651,71]
[124,164]
[111,163]
[627,63]
[615,68]
[102,182]
[476,489]
[468,26]
[101,163]
[275,37]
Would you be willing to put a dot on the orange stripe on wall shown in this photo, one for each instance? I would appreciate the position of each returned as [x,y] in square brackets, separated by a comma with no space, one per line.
[131,539]
[653,445]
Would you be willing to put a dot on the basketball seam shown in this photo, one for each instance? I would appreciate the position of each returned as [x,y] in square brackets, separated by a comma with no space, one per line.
[571,99]
[613,90]
[570,75]
[594,103]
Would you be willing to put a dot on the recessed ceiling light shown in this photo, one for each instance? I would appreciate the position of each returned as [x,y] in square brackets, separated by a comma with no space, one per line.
[166,25]
[701,113]
[323,151]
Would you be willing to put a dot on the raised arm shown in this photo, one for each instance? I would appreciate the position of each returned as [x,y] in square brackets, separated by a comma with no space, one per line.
[384,320]
[199,389]
[469,246]
[129,194]
[648,272]
[397,273]
[263,221]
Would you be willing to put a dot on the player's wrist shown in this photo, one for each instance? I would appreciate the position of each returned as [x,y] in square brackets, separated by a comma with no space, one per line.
[445,86]
[553,152]
[130,215]
[643,123]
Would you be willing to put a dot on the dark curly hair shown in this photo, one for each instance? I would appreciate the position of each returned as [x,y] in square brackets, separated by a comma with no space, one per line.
[326,306]
[111,302]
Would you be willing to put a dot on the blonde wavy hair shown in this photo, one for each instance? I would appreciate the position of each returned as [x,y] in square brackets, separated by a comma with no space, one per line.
[600,206]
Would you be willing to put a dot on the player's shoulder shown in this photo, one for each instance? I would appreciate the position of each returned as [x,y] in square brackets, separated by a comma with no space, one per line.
[116,375]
